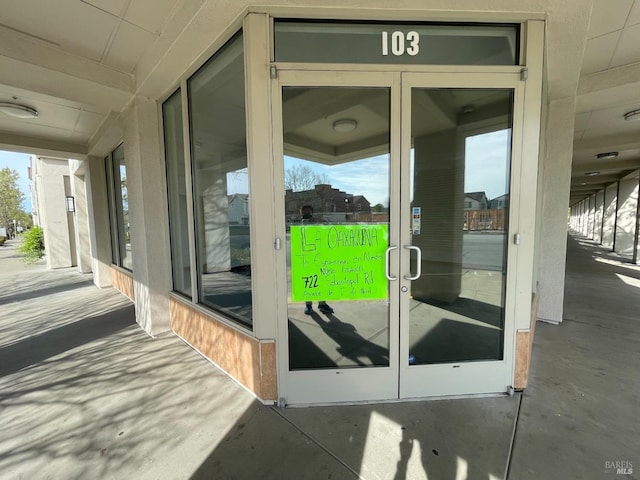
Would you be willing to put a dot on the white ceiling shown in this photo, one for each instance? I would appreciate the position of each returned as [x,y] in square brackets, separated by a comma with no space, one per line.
[101,41]
[78,61]
[609,87]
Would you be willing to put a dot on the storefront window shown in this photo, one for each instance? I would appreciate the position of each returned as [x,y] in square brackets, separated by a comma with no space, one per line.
[119,209]
[177,194]
[221,183]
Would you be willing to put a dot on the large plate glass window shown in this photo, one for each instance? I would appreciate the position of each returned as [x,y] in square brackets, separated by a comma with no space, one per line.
[119,209]
[177,193]
[221,183]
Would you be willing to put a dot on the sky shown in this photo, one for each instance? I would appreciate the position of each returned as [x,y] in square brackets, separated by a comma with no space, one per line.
[19,162]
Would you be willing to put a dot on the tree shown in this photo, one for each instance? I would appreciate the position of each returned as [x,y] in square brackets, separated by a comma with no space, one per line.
[24,219]
[10,197]
[301,177]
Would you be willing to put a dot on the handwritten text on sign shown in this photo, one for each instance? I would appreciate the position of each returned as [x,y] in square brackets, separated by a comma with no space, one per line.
[338,262]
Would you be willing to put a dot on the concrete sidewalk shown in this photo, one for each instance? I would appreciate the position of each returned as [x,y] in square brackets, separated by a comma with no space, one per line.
[85,393]
[581,412]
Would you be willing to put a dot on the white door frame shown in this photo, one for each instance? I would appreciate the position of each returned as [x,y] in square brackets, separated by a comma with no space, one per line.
[346,384]
[398,380]
[460,378]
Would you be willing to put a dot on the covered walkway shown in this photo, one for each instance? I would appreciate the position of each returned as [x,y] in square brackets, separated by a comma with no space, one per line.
[85,393]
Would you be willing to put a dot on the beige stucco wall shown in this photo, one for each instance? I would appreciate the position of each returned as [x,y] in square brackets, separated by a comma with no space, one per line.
[57,223]
[610,202]
[148,213]
[626,221]
[556,181]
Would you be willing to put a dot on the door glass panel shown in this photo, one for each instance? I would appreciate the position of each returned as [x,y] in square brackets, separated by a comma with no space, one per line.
[459,194]
[336,164]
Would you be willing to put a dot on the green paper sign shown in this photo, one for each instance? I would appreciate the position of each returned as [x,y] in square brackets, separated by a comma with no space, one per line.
[338,262]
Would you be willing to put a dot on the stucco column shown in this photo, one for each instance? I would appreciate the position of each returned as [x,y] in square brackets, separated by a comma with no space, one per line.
[146,186]
[610,202]
[599,216]
[555,202]
[215,208]
[438,187]
[98,218]
[57,223]
[626,228]
[79,192]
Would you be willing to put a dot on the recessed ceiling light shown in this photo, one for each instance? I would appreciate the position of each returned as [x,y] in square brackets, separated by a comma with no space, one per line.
[606,155]
[345,125]
[632,116]
[592,174]
[18,111]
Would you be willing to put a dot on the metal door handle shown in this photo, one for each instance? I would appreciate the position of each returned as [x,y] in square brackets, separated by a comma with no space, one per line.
[386,264]
[418,263]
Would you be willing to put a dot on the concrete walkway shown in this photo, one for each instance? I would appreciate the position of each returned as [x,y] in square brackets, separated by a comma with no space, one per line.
[581,411]
[84,393]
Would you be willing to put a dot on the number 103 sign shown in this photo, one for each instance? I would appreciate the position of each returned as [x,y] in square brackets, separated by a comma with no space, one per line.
[399,43]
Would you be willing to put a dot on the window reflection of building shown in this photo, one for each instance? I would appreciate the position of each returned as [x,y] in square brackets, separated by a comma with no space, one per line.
[480,213]
[239,209]
[330,204]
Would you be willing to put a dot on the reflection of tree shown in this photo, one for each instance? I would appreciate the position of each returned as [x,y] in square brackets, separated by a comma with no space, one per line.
[10,197]
[303,177]
[124,194]
[238,175]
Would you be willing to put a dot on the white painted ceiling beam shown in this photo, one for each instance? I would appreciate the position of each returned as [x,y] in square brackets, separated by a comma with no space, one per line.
[608,143]
[614,77]
[43,147]
[43,80]
[46,55]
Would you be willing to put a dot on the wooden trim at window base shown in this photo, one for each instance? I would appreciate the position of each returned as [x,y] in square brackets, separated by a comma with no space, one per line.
[248,360]
[123,282]
[524,346]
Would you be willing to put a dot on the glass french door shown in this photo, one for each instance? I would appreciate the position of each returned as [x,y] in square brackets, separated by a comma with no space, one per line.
[393,260]
[456,320]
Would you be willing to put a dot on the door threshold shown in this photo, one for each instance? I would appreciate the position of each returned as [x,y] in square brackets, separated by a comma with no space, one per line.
[399,400]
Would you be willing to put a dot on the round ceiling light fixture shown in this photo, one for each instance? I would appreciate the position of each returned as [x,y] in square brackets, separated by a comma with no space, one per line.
[606,155]
[592,174]
[632,116]
[345,125]
[18,111]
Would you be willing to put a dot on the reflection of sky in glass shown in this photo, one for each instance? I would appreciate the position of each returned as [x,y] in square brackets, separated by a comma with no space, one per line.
[486,170]
[487,163]
[238,181]
[368,177]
